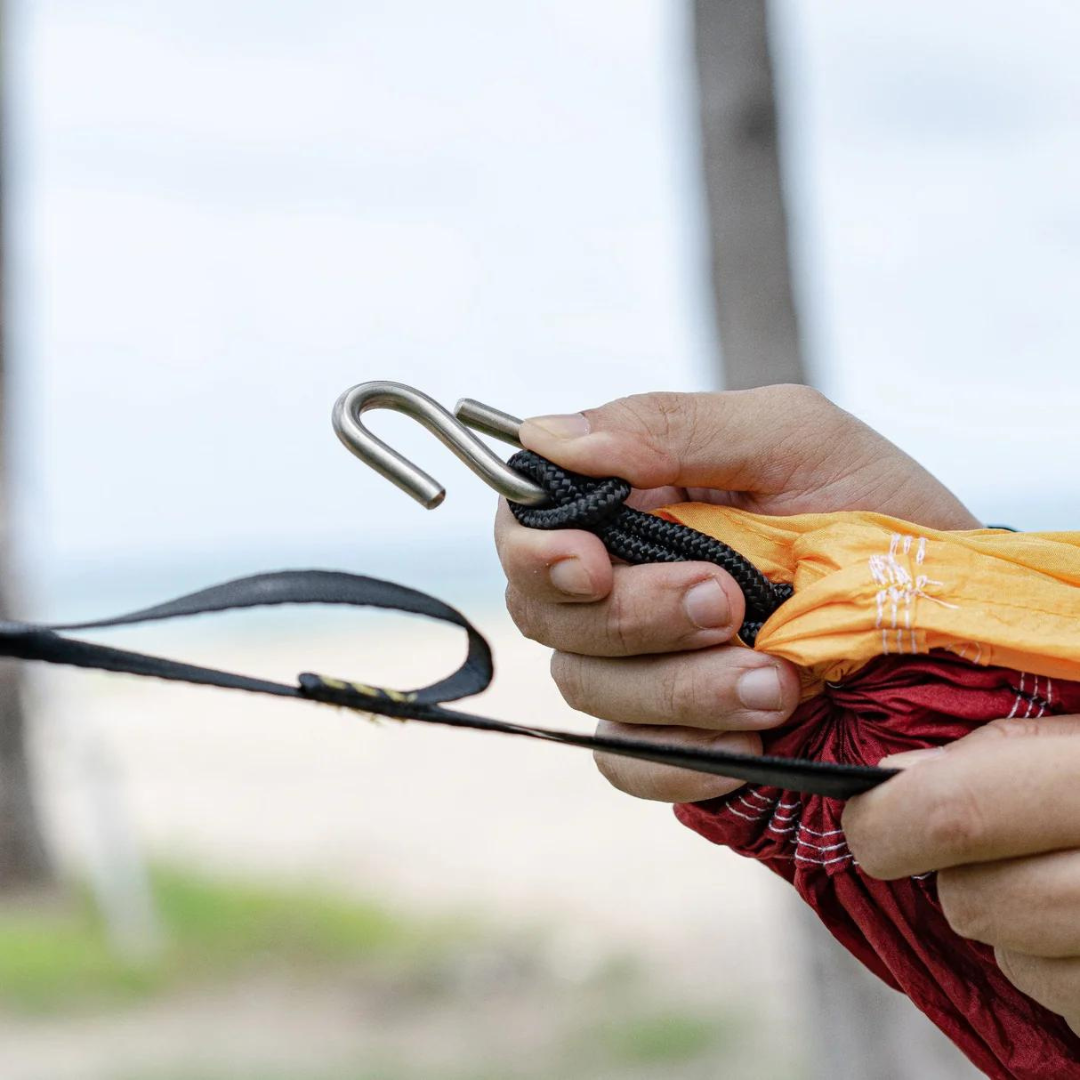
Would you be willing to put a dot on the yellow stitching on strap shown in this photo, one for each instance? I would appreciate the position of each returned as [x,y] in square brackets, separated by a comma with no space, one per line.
[400,696]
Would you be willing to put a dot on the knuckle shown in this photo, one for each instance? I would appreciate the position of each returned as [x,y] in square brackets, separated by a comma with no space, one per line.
[654,413]
[796,398]
[808,396]
[611,767]
[954,821]
[623,621]
[675,692]
[965,908]
[522,613]
[645,613]
[717,690]
[702,693]
[1012,727]
[685,692]
[1019,973]
[659,419]
[608,765]
[567,675]
[803,410]
[509,546]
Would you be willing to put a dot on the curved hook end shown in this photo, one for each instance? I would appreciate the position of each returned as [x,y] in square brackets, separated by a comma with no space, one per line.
[448,429]
[387,462]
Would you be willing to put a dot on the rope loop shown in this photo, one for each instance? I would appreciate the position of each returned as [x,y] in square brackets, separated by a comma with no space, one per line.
[599,506]
[576,502]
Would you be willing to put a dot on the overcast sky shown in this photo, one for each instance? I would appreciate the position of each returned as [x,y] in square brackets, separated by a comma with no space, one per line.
[222,214]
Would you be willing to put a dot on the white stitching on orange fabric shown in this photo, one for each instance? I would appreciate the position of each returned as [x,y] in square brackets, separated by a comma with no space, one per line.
[899,591]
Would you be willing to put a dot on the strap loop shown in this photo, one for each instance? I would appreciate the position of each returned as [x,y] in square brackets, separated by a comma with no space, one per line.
[44,642]
[38,642]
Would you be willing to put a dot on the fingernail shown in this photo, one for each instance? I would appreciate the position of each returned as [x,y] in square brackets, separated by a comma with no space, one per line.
[910,757]
[570,576]
[563,426]
[760,689]
[706,605]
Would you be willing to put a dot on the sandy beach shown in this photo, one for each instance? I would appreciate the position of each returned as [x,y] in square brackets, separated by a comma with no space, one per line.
[520,833]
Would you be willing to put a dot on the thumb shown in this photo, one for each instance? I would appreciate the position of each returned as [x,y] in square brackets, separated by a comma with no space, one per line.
[1011,727]
[741,440]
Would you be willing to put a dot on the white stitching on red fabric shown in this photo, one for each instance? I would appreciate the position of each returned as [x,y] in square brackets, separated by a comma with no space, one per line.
[821,847]
[770,802]
[826,862]
[1031,698]
[1019,696]
[796,827]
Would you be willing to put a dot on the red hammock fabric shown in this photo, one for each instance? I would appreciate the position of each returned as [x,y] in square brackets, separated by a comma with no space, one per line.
[896,928]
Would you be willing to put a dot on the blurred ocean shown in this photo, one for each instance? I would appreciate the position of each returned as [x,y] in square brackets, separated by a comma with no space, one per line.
[219,218]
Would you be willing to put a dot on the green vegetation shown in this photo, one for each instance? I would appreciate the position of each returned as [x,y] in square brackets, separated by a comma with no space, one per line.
[422,998]
[648,1038]
[59,956]
[220,922]
[53,957]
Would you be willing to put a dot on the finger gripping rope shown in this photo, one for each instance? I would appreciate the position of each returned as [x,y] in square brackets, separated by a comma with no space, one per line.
[599,506]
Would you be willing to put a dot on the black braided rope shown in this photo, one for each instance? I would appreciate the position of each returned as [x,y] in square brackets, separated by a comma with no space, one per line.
[599,506]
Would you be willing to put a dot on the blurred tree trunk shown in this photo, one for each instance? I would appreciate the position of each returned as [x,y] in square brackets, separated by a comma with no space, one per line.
[861,1027]
[23,860]
[751,274]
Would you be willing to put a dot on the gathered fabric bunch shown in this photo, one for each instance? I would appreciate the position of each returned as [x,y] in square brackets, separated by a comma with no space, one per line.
[906,638]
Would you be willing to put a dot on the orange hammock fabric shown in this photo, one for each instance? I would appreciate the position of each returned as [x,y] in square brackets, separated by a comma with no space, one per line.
[867,585]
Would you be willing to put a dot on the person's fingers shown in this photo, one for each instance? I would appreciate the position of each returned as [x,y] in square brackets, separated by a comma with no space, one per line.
[977,801]
[787,446]
[664,607]
[726,688]
[1027,905]
[1017,727]
[560,566]
[1012,727]
[724,440]
[665,783]
[1053,982]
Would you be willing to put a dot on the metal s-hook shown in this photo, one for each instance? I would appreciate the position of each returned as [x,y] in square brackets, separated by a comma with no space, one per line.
[451,431]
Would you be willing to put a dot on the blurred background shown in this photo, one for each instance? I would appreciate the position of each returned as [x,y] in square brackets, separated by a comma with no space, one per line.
[216,217]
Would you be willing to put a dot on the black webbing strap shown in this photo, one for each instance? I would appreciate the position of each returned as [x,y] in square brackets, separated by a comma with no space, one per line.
[51,644]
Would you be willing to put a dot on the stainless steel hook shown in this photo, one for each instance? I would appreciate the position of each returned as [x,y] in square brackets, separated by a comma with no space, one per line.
[451,431]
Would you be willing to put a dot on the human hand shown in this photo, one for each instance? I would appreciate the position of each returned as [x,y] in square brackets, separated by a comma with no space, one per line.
[645,649]
[1001,825]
